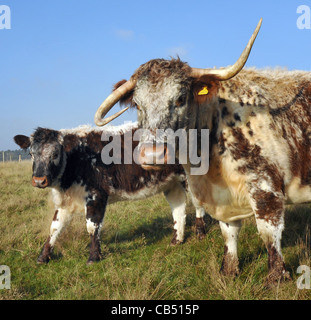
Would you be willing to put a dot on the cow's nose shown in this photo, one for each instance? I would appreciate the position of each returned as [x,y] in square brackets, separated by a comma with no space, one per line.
[153,155]
[40,182]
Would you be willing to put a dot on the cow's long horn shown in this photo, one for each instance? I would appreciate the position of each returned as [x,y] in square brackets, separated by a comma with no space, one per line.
[229,72]
[110,101]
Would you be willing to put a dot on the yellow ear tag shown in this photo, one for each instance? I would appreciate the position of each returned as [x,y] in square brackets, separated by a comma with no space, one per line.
[203,92]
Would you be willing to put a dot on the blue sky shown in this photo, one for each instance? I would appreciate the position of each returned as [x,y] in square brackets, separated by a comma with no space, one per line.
[60,59]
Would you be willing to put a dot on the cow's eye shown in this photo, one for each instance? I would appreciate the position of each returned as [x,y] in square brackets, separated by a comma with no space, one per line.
[181,101]
[55,155]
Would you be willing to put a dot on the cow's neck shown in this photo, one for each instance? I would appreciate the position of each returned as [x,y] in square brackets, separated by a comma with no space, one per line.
[201,186]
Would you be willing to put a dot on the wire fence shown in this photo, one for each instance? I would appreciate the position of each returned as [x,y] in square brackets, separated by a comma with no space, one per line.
[14,155]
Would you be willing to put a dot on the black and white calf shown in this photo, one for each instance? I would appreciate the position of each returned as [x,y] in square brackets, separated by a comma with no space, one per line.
[69,161]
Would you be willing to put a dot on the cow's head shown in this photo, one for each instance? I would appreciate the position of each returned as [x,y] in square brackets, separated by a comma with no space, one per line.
[47,153]
[169,95]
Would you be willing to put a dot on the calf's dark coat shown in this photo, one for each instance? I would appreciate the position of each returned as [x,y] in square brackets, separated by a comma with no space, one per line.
[69,161]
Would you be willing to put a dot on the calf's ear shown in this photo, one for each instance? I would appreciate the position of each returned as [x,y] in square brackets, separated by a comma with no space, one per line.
[22,141]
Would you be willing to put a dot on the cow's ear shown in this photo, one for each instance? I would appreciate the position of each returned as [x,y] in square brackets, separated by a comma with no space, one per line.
[127,99]
[71,142]
[22,141]
[204,89]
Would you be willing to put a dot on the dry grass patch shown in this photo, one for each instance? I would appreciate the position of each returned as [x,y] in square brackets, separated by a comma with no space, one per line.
[139,262]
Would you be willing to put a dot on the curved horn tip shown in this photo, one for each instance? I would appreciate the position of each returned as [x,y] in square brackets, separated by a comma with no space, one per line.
[99,121]
[110,101]
[259,25]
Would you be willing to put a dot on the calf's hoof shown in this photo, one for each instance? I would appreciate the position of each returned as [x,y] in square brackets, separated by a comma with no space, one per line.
[43,259]
[200,228]
[200,234]
[94,258]
[174,241]
[91,261]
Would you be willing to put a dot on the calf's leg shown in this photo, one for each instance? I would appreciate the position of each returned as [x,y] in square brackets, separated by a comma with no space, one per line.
[95,211]
[200,226]
[60,220]
[176,198]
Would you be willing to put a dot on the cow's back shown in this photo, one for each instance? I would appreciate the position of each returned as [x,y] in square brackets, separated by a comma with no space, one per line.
[261,140]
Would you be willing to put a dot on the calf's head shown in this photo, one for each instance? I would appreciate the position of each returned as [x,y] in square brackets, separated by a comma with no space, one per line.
[47,155]
[169,94]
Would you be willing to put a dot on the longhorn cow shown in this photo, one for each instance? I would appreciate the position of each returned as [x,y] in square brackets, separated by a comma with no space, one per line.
[260,140]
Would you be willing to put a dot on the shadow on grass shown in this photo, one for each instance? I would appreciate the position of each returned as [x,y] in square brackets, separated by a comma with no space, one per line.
[153,232]
[297,225]
[297,231]
[56,255]
[158,229]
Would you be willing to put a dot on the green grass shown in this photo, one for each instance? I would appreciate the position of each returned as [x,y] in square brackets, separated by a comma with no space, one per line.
[139,262]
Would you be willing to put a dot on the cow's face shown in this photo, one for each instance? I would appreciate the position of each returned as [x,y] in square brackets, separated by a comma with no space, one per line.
[168,100]
[47,156]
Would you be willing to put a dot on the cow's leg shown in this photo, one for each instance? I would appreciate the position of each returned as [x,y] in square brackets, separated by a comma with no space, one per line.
[60,220]
[176,198]
[269,208]
[95,211]
[230,262]
[270,231]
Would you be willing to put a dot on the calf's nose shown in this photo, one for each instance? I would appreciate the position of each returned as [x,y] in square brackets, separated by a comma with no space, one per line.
[40,182]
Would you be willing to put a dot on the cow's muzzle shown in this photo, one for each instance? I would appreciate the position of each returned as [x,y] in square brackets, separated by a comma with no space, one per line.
[40,182]
[154,156]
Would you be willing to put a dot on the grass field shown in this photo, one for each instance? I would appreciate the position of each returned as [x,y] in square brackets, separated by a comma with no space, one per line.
[139,262]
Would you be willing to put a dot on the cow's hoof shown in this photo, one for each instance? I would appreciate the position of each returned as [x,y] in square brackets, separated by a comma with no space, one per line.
[275,278]
[230,272]
[230,266]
